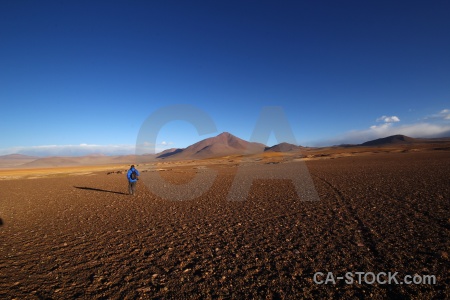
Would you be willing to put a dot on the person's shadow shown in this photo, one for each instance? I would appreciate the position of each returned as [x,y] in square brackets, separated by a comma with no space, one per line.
[98,190]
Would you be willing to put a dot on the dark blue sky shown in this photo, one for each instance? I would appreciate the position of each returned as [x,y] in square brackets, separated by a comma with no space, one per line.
[91,72]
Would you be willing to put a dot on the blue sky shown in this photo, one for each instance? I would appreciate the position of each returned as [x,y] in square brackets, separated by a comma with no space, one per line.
[80,77]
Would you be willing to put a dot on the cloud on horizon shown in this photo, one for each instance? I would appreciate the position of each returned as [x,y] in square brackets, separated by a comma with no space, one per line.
[442,115]
[389,127]
[81,150]
[420,130]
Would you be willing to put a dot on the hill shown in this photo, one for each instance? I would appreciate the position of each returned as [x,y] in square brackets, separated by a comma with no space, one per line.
[392,140]
[282,147]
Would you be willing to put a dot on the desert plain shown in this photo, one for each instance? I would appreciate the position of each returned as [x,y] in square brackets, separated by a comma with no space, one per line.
[74,232]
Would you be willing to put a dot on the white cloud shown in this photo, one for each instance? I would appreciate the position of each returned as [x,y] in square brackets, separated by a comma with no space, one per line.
[386,119]
[71,150]
[381,127]
[442,115]
[165,143]
[445,114]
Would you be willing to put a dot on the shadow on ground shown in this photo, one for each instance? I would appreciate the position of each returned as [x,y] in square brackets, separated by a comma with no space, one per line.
[98,190]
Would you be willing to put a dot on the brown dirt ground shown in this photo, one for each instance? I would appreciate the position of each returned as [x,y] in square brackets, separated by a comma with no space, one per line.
[83,237]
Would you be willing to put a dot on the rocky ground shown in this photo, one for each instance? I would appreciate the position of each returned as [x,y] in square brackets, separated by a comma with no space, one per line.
[84,237]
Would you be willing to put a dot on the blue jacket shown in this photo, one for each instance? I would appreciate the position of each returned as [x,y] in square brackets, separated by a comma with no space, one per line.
[129,174]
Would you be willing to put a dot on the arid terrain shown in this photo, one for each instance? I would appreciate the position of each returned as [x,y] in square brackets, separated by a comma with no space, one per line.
[75,233]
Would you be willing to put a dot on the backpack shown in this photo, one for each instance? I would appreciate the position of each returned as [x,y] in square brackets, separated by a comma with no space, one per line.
[133,175]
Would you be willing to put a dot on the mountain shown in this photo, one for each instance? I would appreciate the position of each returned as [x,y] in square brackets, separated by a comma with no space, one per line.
[221,145]
[282,147]
[393,140]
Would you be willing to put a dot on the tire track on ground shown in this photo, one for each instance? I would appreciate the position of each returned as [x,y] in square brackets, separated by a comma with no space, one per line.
[409,206]
[366,233]
[368,237]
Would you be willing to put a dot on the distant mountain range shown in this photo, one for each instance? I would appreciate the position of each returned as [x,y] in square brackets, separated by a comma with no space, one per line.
[17,156]
[221,145]
[10,161]
[402,139]
[14,160]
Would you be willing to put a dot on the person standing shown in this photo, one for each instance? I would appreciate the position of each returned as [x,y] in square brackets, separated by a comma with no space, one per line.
[132,176]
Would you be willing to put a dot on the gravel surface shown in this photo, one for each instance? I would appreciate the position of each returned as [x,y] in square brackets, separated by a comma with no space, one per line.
[84,237]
